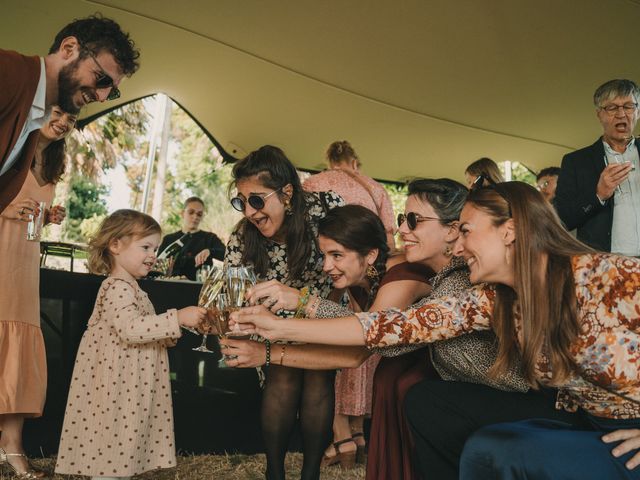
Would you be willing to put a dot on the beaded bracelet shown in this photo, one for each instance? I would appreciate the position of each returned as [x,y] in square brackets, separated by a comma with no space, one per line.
[302,302]
[311,308]
[267,346]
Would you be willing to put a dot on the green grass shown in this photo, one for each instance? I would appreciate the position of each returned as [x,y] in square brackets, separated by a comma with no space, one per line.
[223,467]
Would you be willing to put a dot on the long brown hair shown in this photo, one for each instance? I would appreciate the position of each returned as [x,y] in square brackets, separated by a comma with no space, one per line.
[486,167]
[274,170]
[547,302]
[53,161]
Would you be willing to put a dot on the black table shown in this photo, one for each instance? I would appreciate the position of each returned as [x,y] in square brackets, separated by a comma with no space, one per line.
[215,409]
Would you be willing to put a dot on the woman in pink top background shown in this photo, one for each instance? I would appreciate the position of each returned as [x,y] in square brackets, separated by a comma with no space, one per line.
[344,178]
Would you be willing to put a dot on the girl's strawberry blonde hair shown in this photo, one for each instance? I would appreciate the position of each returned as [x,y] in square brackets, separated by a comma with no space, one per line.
[120,224]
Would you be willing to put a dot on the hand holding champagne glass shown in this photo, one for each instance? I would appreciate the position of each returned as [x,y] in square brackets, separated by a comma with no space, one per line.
[208,294]
[239,280]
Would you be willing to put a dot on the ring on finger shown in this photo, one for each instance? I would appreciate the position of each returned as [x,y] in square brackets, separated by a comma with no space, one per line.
[22,211]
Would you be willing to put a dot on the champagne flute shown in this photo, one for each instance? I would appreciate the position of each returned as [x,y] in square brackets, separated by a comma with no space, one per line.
[239,280]
[208,293]
[250,275]
[222,323]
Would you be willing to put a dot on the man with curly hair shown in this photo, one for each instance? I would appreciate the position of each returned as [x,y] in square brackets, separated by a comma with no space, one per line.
[86,63]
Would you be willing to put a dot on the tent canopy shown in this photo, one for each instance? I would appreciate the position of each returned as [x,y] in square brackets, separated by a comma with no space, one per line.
[419,87]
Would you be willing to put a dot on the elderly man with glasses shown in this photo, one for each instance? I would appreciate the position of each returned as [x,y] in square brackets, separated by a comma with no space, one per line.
[86,63]
[599,186]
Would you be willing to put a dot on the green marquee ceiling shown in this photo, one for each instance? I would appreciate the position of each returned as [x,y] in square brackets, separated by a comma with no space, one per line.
[420,87]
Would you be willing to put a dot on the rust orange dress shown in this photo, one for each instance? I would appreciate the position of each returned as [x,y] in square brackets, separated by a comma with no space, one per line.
[23,366]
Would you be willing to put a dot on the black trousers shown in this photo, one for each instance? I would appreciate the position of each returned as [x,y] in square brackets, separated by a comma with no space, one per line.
[442,415]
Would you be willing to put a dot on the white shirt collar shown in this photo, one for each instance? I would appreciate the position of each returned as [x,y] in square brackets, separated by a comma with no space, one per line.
[41,92]
[611,151]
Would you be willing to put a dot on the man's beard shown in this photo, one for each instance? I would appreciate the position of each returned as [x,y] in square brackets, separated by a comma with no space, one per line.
[67,88]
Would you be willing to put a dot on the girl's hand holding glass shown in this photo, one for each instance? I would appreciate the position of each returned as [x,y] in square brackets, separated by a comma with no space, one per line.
[274,295]
[191,317]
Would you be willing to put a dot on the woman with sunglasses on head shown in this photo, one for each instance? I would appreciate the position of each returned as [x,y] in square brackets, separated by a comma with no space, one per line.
[278,236]
[486,168]
[570,312]
[23,368]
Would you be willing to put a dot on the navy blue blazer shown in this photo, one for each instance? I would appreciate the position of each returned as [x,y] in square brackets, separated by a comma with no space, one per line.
[576,200]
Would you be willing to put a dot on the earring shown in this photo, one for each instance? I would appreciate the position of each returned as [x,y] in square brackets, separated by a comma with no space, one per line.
[447,251]
[372,273]
[287,208]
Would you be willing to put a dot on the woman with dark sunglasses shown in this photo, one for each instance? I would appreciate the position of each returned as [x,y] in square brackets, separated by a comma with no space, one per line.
[354,244]
[278,236]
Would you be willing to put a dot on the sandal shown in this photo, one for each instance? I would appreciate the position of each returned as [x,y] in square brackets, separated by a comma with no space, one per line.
[345,459]
[360,448]
[29,474]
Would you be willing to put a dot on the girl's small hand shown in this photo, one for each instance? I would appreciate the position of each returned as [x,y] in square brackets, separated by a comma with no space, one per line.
[273,295]
[201,257]
[56,214]
[243,353]
[22,210]
[257,320]
[191,316]
[631,442]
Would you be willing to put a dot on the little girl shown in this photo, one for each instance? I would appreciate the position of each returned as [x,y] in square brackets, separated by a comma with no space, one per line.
[119,419]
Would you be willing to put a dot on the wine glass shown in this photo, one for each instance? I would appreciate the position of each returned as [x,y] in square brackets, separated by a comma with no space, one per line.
[250,275]
[239,280]
[203,273]
[223,312]
[164,266]
[208,293]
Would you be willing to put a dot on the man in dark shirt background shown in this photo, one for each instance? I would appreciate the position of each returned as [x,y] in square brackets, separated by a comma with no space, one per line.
[198,247]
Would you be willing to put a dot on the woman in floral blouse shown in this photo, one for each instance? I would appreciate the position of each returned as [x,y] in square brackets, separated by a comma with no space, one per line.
[571,313]
[278,236]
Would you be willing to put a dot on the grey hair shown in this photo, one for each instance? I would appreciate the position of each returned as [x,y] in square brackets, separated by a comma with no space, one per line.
[446,196]
[615,88]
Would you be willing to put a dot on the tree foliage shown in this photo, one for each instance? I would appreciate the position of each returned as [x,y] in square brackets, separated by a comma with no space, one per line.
[86,200]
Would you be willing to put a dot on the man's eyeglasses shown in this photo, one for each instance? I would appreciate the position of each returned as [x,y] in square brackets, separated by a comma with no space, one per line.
[103,80]
[542,185]
[613,108]
[256,201]
[412,219]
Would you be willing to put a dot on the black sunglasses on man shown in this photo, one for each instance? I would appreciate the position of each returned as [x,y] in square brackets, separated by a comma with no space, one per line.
[103,80]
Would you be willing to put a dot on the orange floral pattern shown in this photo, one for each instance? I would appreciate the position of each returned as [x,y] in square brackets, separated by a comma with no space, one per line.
[607,352]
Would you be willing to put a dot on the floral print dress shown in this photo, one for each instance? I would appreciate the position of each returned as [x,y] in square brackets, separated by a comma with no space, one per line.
[313,277]
[607,289]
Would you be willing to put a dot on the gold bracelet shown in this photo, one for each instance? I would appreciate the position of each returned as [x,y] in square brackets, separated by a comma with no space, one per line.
[282,354]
